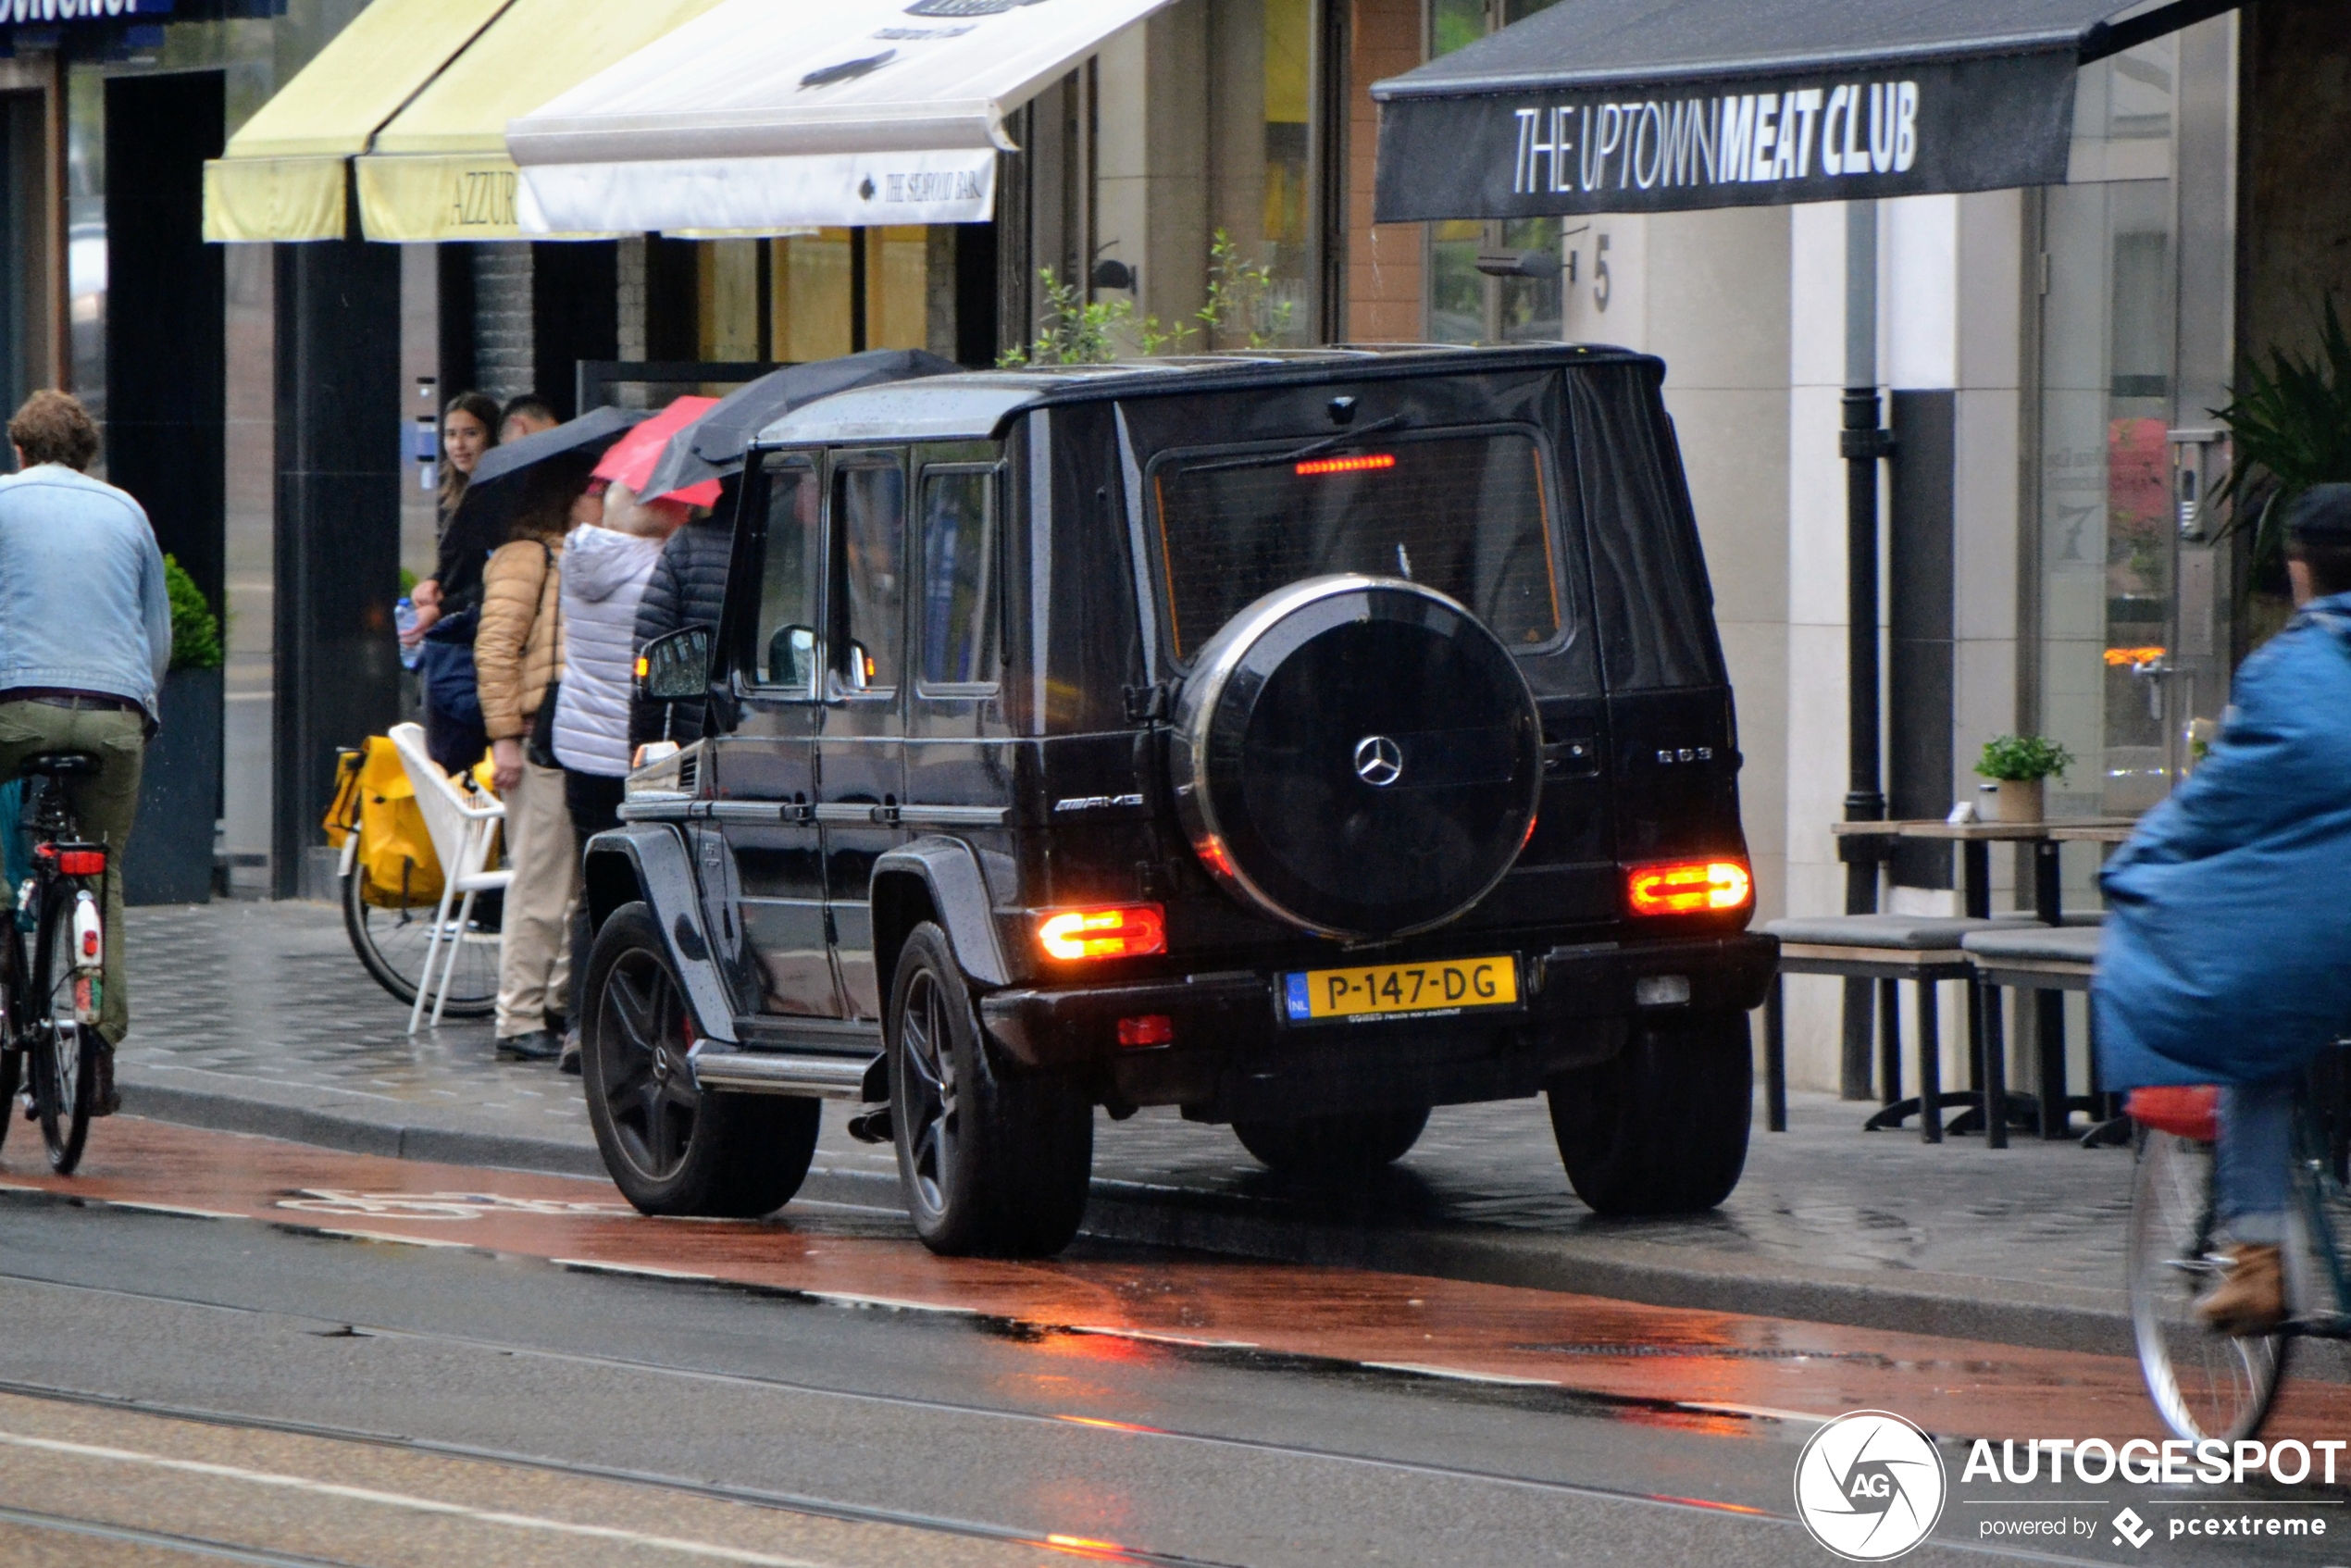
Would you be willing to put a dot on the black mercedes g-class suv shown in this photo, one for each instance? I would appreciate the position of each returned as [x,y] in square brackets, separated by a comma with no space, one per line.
[1301,739]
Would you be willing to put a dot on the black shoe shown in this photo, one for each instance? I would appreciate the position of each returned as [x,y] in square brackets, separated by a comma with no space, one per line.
[536,1046]
[570,1065]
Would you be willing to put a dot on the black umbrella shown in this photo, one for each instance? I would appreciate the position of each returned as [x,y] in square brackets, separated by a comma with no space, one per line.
[499,480]
[713,446]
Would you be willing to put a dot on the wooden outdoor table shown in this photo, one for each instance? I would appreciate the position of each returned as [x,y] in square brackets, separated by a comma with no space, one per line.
[1985,1026]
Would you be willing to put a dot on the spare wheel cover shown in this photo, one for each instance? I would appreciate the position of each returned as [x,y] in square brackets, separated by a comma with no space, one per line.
[1357,756]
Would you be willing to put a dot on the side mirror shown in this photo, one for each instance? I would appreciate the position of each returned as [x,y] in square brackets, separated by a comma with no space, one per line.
[676,668]
[791,658]
[860,674]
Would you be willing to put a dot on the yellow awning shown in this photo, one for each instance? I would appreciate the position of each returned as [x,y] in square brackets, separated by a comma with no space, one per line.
[282,177]
[439,169]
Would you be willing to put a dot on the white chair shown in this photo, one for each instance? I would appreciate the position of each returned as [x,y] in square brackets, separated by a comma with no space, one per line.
[463,826]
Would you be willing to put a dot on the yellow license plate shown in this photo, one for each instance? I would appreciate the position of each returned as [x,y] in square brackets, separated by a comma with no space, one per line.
[1401,991]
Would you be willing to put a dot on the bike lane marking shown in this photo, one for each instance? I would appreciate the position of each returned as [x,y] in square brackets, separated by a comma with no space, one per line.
[1694,1365]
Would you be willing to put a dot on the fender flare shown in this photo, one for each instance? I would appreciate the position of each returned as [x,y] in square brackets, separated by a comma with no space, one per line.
[647,860]
[949,872]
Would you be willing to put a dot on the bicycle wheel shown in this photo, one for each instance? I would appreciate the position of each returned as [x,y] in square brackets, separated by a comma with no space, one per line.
[64,1054]
[391,944]
[11,1002]
[2204,1383]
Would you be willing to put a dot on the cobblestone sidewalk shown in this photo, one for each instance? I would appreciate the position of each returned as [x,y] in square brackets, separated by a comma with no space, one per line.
[263,1006]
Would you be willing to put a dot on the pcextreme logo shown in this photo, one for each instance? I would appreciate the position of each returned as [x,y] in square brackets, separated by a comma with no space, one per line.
[1869,1486]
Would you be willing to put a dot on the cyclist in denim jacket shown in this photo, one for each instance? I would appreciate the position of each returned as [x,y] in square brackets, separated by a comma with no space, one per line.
[2227,952]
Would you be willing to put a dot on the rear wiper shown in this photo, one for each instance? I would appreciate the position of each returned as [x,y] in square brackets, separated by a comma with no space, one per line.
[1312,449]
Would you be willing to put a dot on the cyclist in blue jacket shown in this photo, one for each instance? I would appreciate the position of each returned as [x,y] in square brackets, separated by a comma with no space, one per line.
[85,637]
[2227,952]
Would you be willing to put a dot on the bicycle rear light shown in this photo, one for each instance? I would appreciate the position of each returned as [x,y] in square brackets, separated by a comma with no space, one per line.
[1128,932]
[1689,886]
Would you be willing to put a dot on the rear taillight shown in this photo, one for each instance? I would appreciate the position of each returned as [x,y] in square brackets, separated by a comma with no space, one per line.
[1689,886]
[1126,932]
[82,862]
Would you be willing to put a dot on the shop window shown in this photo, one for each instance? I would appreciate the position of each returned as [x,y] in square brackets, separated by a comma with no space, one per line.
[898,287]
[1262,156]
[727,295]
[1466,306]
[814,311]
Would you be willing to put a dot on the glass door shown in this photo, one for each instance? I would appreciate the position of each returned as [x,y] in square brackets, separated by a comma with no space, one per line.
[2136,278]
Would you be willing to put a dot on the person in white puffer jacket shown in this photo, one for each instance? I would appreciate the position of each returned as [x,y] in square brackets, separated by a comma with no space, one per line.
[605,570]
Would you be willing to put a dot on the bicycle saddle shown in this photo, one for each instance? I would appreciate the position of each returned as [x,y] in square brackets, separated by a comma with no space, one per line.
[59,765]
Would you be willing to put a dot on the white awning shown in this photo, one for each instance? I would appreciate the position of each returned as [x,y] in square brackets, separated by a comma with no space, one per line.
[761,117]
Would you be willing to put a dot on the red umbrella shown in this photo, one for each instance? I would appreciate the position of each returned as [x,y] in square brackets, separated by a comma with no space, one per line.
[631,461]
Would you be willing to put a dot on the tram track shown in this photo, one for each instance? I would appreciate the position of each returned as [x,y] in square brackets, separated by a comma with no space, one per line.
[1269,1453]
[189,1546]
[797,1502]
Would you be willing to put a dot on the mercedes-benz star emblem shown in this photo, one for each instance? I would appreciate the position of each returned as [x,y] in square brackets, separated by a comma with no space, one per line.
[1379,761]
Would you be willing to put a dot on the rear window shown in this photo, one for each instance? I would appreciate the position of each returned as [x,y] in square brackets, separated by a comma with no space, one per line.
[1467,513]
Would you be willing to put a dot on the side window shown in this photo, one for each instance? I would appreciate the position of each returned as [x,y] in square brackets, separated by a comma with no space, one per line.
[785,654]
[959,611]
[869,509]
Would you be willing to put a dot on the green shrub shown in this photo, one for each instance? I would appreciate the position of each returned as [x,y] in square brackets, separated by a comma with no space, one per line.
[2020,759]
[195,630]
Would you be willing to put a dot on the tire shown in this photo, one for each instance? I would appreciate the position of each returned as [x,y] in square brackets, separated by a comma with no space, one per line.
[993,1163]
[12,997]
[64,1058]
[390,945]
[1354,1144]
[1660,1129]
[2204,1384]
[1356,756]
[672,1149]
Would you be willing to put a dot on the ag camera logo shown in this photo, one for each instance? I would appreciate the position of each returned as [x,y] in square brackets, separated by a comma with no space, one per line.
[1869,1486]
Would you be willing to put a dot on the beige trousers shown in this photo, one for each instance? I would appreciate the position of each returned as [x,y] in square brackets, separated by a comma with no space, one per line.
[534,942]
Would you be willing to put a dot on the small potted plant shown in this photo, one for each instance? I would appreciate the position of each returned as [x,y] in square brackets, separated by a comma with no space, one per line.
[2022,765]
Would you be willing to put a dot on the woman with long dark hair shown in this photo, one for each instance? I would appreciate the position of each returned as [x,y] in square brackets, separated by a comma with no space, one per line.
[451,598]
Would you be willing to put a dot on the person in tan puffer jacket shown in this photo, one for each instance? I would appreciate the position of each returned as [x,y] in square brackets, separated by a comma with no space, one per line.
[517,661]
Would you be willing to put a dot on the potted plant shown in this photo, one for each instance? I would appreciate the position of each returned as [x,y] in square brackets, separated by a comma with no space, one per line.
[2290,428]
[2022,765]
[170,859]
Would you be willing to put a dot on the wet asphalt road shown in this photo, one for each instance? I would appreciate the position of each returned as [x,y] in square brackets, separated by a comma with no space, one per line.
[170,1386]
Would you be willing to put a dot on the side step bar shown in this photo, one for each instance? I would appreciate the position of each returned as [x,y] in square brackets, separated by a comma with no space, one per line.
[776,1072]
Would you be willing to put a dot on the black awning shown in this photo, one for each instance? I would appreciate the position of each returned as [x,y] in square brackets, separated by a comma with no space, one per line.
[1654,106]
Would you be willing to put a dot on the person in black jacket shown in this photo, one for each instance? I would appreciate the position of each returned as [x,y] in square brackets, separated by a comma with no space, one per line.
[688,588]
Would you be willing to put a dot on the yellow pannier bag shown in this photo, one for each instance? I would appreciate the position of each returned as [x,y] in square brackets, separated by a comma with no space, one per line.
[396,865]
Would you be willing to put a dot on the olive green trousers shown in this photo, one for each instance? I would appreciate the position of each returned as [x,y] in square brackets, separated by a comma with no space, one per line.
[104,806]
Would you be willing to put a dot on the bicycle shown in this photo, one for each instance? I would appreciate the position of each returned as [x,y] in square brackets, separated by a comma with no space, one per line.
[2209,1384]
[390,886]
[49,1006]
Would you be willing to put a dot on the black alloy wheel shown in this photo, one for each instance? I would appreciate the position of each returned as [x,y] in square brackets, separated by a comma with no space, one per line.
[1660,1128]
[672,1147]
[63,1059]
[1348,1144]
[992,1163]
